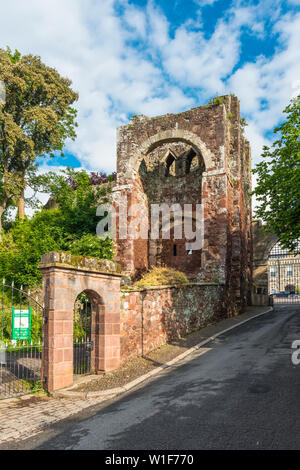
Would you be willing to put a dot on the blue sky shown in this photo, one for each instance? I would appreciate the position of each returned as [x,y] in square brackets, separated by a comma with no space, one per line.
[154,57]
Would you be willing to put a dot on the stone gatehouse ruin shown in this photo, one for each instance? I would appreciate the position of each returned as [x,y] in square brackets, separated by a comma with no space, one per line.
[199,156]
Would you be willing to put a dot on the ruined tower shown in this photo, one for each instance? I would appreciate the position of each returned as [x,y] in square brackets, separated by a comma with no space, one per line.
[199,156]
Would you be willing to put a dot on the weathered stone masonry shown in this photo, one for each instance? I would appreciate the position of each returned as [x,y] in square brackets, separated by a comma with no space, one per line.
[151,317]
[156,163]
[64,277]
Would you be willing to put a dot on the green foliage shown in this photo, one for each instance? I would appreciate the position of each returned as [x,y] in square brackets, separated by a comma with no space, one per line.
[5,318]
[278,176]
[34,386]
[243,123]
[91,245]
[35,120]
[14,57]
[76,198]
[82,317]
[71,226]
[21,247]
[78,330]
[216,100]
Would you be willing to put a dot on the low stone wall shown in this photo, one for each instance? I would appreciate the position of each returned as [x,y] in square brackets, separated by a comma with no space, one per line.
[153,316]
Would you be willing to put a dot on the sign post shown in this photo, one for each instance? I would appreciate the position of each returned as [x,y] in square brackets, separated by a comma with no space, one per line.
[21,324]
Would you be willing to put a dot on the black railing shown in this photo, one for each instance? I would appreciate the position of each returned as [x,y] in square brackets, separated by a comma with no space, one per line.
[21,325]
[82,346]
[284,275]
[82,357]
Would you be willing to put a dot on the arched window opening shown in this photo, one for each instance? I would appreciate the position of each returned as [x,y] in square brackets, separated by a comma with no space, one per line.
[170,166]
[192,162]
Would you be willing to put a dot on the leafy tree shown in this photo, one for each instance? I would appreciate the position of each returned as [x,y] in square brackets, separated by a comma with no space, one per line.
[278,181]
[35,121]
[69,226]
[77,194]
[24,244]
[91,245]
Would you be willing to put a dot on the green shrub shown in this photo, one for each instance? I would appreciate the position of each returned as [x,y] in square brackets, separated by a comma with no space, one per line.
[24,244]
[91,245]
[217,100]
[71,226]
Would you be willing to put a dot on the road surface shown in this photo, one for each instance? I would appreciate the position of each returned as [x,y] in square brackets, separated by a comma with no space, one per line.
[243,393]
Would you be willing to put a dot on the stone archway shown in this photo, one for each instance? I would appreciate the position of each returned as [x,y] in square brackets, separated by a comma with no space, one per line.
[172,135]
[64,277]
[222,192]
[158,174]
[89,312]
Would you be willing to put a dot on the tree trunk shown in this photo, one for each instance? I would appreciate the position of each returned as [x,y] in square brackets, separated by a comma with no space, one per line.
[2,209]
[21,211]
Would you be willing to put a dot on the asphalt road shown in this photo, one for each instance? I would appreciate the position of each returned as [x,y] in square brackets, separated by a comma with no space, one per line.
[244,393]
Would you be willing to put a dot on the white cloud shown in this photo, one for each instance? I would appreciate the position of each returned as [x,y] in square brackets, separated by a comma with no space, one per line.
[158,32]
[266,86]
[136,21]
[203,3]
[86,41]
[257,140]
[136,62]
[198,61]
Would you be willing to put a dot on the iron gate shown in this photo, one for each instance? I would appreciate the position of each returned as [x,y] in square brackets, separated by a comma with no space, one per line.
[21,329]
[82,331]
[284,276]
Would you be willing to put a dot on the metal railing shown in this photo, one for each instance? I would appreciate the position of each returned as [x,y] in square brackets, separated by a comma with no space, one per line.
[21,343]
[82,346]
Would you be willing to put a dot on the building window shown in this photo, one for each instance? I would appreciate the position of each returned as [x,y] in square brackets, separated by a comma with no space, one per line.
[273,271]
[174,250]
[289,271]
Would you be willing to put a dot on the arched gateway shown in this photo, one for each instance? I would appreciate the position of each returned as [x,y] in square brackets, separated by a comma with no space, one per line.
[64,278]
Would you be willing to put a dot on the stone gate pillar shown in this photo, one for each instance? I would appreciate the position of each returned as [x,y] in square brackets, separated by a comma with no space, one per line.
[64,277]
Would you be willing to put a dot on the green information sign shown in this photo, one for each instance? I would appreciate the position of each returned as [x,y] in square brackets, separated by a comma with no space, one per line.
[21,324]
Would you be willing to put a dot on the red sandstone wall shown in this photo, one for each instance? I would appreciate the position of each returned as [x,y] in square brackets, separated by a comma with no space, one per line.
[154,316]
[224,189]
